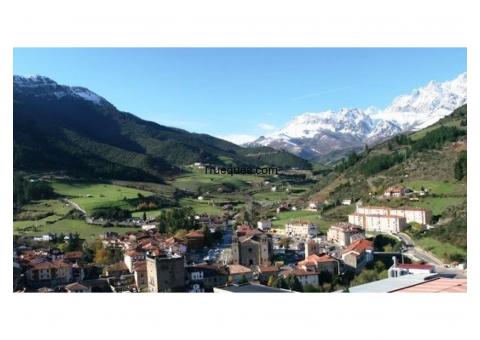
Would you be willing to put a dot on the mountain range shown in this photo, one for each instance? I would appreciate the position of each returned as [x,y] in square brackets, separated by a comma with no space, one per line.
[74,130]
[329,135]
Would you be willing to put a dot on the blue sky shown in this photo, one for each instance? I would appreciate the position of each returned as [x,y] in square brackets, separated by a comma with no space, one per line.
[241,93]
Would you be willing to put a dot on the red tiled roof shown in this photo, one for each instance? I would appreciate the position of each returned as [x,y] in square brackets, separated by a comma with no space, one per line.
[441,285]
[359,246]
[299,272]
[195,234]
[73,255]
[238,269]
[268,269]
[414,266]
[314,259]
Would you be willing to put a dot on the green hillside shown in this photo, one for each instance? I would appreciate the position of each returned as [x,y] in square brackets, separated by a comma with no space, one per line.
[98,141]
[433,159]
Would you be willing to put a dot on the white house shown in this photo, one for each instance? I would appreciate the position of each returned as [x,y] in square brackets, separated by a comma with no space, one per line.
[264,225]
[400,269]
[301,229]
[378,223]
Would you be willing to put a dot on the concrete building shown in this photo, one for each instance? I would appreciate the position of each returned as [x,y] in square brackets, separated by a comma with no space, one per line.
[165,273]
[394,191]
[132,256]
[205,277]
[411,214]
[311,247]
[357,255]
[323,263]
[305,277]
[344,233]
[253,249]
[378,223]
[400,269]
[301,229]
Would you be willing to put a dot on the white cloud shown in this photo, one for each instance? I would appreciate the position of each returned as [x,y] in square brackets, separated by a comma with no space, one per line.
[238,138]
[266,126]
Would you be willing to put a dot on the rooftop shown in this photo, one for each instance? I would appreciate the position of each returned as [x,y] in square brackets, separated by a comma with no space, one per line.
[391,284]
[238,269]
[414,266]
[359,246]
[250,288]
[441,285]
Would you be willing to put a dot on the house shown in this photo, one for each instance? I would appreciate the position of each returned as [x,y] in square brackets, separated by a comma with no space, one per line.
[147,227]
[266,272]
[312,206]
[238,273]
[394,191]
[322,263]
[358,254]
[378,223]
[140,275]
[253,249]
[344,233]
[205,277]
[73,257]
[116,270]
[244,229]
[77,287]
[264,225]
[400,269]
[301,229]
[305,277]
[195,239]
[131,256]
[347,202]
[165,273]
[311,247]
[49,273]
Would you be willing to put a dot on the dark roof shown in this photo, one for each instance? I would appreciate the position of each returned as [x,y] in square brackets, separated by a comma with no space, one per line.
[252,288]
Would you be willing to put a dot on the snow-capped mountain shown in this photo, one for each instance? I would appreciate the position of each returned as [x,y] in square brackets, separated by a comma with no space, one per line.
[331,134]
[41,86]
[426,105]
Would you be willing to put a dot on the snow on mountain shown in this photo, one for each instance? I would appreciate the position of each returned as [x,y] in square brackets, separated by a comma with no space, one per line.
[316,135]
[428,104]
[44,86]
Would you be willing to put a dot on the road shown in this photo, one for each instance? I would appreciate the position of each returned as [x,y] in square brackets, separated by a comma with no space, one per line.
[74,205]
[417,252]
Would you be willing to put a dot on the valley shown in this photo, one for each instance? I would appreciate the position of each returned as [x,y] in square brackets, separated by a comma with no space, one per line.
[101,192]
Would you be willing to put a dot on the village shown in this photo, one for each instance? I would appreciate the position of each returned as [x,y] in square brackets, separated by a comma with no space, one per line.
[221,255]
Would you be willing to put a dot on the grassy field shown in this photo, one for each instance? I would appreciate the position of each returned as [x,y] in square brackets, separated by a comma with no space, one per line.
[438,205]
[201,206]
[66,226]
[198,179]
[442,250]
[439,187]
[90,196]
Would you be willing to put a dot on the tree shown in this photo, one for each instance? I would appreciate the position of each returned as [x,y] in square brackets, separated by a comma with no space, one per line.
[144,217]
[272,281]
[460,166]
[285,242]
[308,288]
[243,280]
